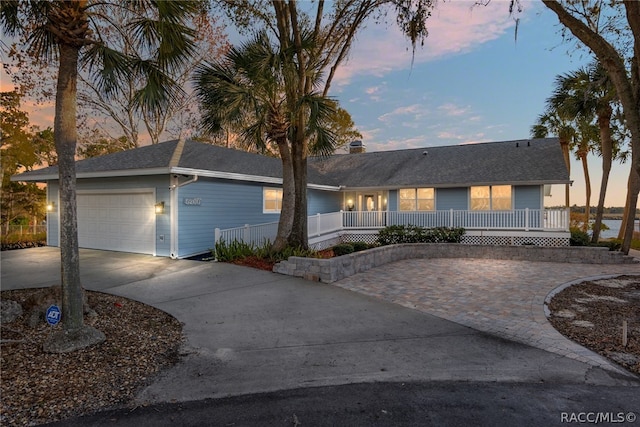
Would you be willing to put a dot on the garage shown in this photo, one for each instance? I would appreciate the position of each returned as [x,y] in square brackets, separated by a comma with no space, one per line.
[117,221]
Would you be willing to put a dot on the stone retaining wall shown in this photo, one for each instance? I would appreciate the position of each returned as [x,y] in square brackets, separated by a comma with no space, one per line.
[333,269]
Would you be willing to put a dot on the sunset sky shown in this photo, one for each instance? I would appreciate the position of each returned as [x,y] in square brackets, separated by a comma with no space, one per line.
[471,82]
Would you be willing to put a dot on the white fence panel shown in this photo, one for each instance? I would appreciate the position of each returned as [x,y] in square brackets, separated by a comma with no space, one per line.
[320,224]
[256,235]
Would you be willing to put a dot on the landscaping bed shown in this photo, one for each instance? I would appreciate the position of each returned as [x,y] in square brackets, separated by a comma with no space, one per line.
[38,387]
[592,314]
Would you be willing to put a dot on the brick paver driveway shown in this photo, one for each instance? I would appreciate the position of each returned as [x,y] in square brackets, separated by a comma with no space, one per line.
[504,298]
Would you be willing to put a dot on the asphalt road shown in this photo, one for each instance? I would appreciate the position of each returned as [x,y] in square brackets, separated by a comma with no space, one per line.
[394,404]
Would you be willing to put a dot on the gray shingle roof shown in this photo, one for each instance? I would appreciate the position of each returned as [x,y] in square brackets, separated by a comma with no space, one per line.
[534,161]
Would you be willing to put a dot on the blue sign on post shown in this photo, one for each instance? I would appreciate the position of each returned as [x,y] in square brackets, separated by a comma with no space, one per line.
[53,315]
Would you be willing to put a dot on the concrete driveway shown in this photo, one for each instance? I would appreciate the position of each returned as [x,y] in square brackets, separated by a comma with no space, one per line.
[252,331]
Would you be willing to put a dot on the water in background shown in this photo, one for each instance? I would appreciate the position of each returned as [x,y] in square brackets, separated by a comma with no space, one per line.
[614,227]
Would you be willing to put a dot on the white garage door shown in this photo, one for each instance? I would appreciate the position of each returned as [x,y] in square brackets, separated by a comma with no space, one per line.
[117,221]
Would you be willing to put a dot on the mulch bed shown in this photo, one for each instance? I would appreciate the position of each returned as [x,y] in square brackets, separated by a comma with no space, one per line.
[38,387]
[264,264]
[592,314]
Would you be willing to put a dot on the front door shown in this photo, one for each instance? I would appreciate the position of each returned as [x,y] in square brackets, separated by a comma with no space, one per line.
[370,202]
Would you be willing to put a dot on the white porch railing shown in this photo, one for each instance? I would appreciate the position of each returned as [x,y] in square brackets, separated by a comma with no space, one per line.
[321,224]
[251,234]
[517,219]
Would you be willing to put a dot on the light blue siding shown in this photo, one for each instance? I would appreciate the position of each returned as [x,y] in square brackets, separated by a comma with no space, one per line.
[452,198]
[528,196]
[323,201]
[223,204]
[53,218]
[163,221]
[393,200]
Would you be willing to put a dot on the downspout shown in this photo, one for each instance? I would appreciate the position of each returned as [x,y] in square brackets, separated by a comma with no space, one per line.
[175,184]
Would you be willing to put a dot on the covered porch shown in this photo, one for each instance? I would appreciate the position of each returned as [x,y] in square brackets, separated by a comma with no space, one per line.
[541,227]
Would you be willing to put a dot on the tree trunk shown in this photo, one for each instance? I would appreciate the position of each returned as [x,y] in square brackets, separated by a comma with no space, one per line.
[299,237]
[285,224]
[65,140]
[75,335]
[564,145]
[627,88]
[607,157]
[628,221]
[587,184]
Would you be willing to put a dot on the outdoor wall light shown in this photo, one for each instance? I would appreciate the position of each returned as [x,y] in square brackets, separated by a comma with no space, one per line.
[51,206]
[160,207]
[350,204]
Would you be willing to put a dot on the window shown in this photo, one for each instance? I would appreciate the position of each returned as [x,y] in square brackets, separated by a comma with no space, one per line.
[425,199]
[407,199]
[272,200]
[501,197]
[496,198]
[417,199]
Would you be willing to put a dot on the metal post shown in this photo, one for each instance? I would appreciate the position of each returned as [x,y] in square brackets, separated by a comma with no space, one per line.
[246,236]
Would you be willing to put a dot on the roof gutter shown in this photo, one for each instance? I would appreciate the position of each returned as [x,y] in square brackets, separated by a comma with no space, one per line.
[243,177]
[80,175]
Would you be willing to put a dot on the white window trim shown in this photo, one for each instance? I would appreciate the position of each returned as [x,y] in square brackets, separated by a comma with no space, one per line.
[491,209]
[415,199]
[264,200]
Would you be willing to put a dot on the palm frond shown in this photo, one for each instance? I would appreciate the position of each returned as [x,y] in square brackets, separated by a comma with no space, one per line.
[110,68]
[9,17]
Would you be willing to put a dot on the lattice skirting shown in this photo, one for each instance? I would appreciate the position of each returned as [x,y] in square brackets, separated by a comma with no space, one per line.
[372,236]
[516,241]
[369,238]
[325,244]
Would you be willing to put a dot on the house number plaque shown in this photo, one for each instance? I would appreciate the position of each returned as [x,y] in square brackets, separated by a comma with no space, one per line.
[192,201]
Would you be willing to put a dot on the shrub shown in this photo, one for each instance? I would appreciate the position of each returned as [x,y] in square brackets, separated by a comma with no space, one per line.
[228,252]
[360,246]
[579,237]
[289,252]
[396,234]
[392,235]
[23,238]
[613,245]
[343,249]
[635,243]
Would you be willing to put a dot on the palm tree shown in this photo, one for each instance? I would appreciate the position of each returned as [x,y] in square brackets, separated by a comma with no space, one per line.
[582,97]
[247,87]
[68,31]
[586,137]
[577,134]
[589,93]
[551,123]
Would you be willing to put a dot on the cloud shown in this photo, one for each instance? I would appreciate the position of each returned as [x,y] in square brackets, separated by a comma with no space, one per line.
[372,90]
[451,109]
[454,27]
[450,136]
[398,144]
[414,111]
